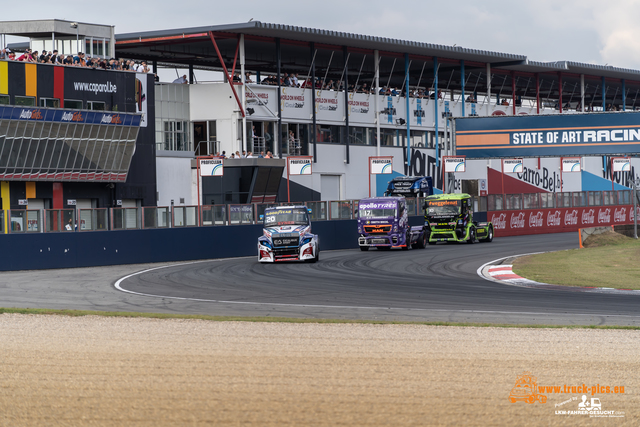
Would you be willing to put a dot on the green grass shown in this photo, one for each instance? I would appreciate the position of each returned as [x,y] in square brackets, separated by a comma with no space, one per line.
[611,261]
[79,313]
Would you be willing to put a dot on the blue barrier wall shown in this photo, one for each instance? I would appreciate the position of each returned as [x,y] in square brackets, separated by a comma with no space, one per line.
[98,248]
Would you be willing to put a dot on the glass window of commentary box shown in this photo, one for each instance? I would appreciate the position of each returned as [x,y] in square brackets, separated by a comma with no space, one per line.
[49,102]
[214,215]
[28,101]
[5,99]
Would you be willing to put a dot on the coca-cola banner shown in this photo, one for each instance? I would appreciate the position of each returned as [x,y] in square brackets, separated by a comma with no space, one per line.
[558,220]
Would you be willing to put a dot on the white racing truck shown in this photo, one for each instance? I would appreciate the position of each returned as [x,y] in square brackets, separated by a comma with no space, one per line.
[286,236]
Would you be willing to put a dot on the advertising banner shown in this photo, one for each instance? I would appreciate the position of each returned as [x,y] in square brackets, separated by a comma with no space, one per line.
[455,164]
[261,102]
[381,165]
[557,220]
[361,108]
[571,164]
[295,103]
[330,105]
[544,136]
[621,164]
[211,167]
[299,165]
[512,166]
[68,116]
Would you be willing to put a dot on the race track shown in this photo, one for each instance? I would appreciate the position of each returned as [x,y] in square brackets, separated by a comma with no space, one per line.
[439,283]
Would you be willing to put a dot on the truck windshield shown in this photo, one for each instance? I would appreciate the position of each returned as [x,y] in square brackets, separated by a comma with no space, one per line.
[286,216]
[377,213]
[443,207]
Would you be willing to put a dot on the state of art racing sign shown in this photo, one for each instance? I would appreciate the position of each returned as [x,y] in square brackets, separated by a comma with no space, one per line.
[544,136]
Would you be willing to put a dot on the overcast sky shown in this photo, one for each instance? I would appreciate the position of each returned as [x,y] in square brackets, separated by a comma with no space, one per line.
[591,31]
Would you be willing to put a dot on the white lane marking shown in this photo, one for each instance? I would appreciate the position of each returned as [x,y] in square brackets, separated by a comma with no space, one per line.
[120,288]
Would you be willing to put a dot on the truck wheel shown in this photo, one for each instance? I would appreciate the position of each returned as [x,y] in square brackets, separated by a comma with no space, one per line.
[364,248]
[489,235]
[472,236]
[407,241]
[422,241]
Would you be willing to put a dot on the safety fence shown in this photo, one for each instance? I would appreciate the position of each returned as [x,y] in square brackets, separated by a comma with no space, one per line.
[134,218]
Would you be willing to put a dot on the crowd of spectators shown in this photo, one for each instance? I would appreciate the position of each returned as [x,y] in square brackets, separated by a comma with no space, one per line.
[245,155]
[79,60]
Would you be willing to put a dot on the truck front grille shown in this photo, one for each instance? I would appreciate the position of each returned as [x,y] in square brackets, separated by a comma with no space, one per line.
[377,229]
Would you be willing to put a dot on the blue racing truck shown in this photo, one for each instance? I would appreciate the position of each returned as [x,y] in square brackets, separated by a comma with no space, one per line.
[383,223]
[410,186]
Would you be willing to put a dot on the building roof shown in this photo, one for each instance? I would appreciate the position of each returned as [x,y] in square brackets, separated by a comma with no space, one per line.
[45,28]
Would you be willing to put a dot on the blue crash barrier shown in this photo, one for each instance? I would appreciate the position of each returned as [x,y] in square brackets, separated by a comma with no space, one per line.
[90,249]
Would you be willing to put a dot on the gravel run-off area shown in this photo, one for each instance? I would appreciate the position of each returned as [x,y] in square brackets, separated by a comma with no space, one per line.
[59,370]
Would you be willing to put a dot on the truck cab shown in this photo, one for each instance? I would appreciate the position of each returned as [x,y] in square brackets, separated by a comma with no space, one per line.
[450,219]
[383,222]
[286,236]
[410,186]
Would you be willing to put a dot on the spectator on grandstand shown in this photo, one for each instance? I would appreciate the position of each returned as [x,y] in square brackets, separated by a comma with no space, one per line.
[268,155]
[294,80]
[182,80]
[4,54]
[79,60]
[26,56]
[247,77]
[471,98]
[237,79]
[505,102]
[143,67]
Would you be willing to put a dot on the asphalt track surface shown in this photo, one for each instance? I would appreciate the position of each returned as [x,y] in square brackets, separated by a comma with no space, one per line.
[439,283]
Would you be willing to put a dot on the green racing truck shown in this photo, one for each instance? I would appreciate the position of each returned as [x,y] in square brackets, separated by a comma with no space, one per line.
[450,219]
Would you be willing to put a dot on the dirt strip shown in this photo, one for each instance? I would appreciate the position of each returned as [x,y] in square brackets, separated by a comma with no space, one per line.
[57,370]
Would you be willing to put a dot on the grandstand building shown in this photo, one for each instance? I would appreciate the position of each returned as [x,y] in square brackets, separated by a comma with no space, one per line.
[339,98]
